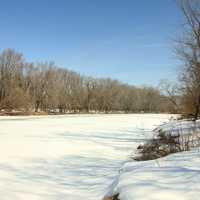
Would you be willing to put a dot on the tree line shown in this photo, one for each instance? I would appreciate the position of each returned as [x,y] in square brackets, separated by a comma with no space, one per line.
[45,87]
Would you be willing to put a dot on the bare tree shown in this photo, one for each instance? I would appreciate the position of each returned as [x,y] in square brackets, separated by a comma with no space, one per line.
[171,92]
[11,80]
[188,51]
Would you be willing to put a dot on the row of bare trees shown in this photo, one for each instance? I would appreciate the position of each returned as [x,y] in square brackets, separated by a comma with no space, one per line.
[45,87]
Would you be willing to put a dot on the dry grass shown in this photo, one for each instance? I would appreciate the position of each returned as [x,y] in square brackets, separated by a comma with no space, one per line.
[115,197]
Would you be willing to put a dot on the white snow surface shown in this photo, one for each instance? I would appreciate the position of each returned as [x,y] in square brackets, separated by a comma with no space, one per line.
[179,127]
[176,176]
[77,157]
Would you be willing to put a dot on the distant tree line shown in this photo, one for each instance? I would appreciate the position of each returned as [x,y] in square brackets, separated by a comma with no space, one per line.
[45,87]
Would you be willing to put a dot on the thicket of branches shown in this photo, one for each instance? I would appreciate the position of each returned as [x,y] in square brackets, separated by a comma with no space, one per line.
[185,95]
[45,87]
[188,51]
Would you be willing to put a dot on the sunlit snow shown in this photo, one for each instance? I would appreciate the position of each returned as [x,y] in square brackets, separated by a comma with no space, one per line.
[69,157]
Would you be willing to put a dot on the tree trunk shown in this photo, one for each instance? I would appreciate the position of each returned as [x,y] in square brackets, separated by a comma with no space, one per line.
[197,109]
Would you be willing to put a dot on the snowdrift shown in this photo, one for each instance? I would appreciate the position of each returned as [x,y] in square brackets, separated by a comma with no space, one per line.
[176,176]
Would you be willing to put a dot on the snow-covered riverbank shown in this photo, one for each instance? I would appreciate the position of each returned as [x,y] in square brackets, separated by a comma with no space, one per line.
[175,176]
[67,157]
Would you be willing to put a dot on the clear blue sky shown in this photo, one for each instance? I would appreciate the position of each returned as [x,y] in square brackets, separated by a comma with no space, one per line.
[129,40]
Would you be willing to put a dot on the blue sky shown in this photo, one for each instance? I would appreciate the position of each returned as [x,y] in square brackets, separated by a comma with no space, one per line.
[129,40]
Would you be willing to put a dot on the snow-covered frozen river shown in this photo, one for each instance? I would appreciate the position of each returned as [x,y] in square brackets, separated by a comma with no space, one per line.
[69,157]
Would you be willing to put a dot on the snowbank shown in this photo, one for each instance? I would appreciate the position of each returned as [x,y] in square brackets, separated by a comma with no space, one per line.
[175,127]
[176,176]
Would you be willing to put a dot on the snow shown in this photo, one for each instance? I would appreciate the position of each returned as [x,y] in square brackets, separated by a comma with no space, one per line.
[173,177]
[75,157]
[177,127]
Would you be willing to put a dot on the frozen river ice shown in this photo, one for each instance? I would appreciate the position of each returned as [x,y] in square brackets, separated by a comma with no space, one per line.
[68,157]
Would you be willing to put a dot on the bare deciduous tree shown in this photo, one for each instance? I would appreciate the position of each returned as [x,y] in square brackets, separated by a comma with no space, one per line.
[188,51]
